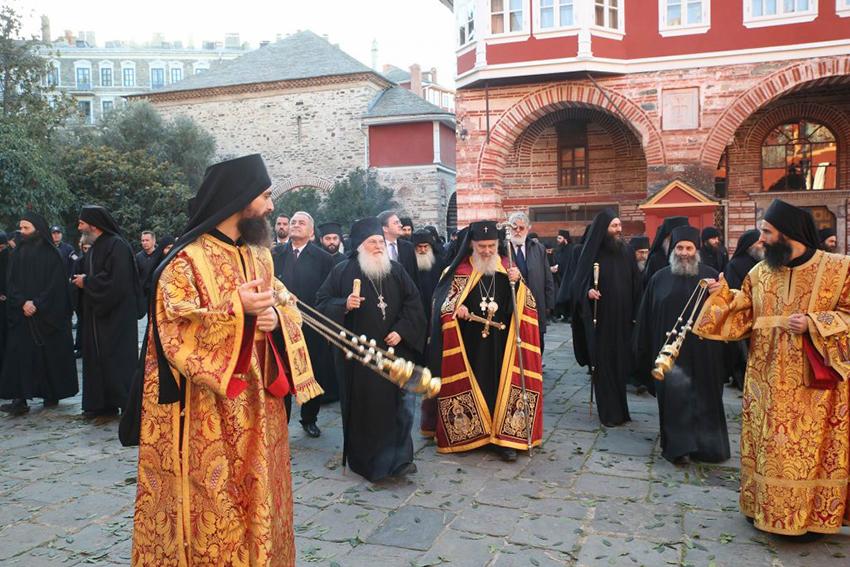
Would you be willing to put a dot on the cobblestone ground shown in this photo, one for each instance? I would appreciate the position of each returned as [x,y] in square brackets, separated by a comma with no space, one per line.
[590,496]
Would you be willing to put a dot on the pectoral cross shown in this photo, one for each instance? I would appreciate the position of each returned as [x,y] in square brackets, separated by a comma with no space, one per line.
[486,332]
[382,305]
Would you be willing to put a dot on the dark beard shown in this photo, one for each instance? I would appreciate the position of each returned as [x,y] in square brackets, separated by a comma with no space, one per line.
[255,230]
[332,248]
[612,244]
[778,254]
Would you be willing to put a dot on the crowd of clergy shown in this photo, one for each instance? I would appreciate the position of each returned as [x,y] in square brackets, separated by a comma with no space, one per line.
[224,353]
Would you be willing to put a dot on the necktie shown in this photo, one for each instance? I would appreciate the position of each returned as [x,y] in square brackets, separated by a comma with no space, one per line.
[520,262]
[296,252]
[393,252]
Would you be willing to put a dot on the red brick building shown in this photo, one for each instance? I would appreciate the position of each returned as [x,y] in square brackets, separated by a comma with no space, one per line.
[567,106]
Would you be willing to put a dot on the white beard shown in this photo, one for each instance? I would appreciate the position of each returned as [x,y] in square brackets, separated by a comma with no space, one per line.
[517,242]
[642,265]
[425,261]
[373,267]
[487,267]
[679,267]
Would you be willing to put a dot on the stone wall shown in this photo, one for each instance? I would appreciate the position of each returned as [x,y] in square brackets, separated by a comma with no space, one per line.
[422,191]
[305,136]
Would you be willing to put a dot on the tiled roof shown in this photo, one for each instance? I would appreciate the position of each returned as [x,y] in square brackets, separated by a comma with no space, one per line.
[398,101]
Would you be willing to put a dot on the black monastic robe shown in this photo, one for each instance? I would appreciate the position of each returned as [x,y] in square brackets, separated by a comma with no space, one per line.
[376,417]
[690,398]
[4,264]
[606,348]
[39,360]
[110,330]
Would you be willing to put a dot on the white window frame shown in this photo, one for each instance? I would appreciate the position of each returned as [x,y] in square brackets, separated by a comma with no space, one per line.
[106,99]
[171,68]
[688,28]
[842,8]
[91,107]
[506,21]
[606,31]
[198,65]
[129,65]
[781,17]
[83,64]
[465,15]
[101,65]
[558,28]
[55,67]
[157,65]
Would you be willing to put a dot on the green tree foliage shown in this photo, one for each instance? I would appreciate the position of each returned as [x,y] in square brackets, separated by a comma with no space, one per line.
[307,199]
[25,96]
[28,177]
[142,192]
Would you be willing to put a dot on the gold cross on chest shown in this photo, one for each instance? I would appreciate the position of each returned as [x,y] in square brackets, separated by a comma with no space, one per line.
[382,305]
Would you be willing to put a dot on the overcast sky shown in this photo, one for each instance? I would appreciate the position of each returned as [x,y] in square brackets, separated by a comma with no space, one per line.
[407,31]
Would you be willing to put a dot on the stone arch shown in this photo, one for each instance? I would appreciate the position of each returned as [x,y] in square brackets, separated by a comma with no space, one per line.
[305,180]
[552,98]
[782,82]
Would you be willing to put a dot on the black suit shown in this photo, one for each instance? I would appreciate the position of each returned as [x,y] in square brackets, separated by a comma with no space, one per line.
[303,277]
[407,258]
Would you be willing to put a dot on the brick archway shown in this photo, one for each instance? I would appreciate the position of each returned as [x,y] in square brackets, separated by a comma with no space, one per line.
[552,98]
[832,118]
[779,83]
[301,181]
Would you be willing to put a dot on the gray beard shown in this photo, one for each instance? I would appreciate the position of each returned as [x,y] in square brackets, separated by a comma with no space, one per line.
[679,267]
[487,267]
[641,265]
[756,254]
[425,261]
[373,267]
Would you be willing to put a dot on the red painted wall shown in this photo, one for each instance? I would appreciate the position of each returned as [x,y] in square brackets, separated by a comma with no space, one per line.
[448,142]
[533,50]
[465,62]
[401,144]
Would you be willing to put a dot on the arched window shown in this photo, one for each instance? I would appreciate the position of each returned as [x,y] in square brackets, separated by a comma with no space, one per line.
[799,156]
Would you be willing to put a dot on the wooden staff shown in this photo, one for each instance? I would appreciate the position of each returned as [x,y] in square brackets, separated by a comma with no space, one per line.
[595,307]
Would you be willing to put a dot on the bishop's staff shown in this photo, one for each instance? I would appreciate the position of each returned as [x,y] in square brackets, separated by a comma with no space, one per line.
[529,414]
[595,309]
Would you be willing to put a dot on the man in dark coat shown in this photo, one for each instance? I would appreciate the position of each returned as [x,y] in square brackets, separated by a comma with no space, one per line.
[530,257]
[659,255]
[748,253]
[303,266]
[605,345]
[406,228]
[399,249]
[147,259]
[65,249]
[331,239]
[376,417]
[39,359]
[112,304]
[713,253]
[690,398]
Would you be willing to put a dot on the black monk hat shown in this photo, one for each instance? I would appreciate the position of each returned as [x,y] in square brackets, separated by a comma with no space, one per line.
[564,233]
[639,242]
[406,221]
[794,222]
[484,230]
[746,240]
[363,229]
[825,233]
[710,232]
[98,216]
[422,236]
[330,228]
[682,233]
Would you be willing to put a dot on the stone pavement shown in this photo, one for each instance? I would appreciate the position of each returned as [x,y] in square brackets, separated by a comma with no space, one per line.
[591,496]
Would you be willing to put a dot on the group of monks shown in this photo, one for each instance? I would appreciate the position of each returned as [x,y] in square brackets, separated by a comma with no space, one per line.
[228,346]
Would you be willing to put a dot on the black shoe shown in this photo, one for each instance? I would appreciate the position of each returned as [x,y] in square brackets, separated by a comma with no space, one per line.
[17,407]
[312,429]
[50,403]
[507,454]
[405,469]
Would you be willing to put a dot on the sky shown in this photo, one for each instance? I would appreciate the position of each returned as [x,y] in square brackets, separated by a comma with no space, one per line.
[407,31]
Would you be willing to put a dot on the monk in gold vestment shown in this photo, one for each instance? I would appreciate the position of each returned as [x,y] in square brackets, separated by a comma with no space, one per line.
[214,484]
[795,444]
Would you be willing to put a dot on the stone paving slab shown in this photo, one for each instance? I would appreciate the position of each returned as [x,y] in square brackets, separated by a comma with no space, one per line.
[590,496]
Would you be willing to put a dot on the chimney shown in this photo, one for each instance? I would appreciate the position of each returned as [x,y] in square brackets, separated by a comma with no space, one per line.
[45,29]
[90,39]
[433,75]
[374,54]
[69,37]
[416,79]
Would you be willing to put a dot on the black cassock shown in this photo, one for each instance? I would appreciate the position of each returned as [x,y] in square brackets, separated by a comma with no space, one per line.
[39,360]
[609,346]
[377,417]
[4,264]
[690,398]
[303,276]
[111,296]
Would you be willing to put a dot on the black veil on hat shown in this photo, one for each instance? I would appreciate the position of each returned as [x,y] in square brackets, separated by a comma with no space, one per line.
[825,233]
[794,222]
[363,229]
[423,236]
[688,233]
[664,231]
[41,226]
[593,239]
[406,221]
[639,243]
[99,217]
[564,233]
[227,188]
[746,240]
